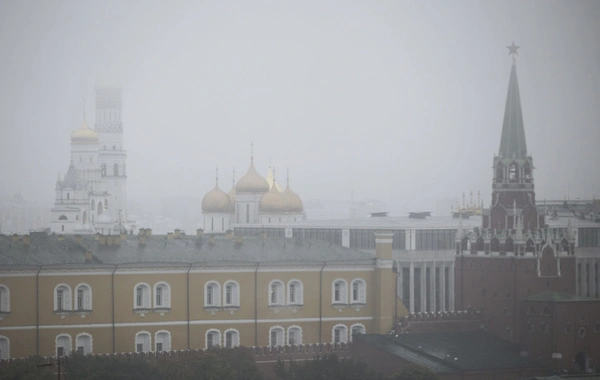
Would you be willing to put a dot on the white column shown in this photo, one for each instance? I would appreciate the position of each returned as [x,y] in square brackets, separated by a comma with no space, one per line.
[432,279]
[412,287]
[399,283]
[423,287]
[407,240]
[443,287]
[451,286]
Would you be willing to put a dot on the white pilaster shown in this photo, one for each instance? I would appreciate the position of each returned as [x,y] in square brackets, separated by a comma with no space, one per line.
[412,287]
[423,287]
[451,285]
[443,287]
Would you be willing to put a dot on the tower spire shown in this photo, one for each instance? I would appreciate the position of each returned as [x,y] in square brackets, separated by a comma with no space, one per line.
[217,176]
[233,179]
[251,153]
[288,176]
[512,142]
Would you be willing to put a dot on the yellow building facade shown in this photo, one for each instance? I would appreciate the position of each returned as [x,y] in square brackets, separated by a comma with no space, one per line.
[158,293]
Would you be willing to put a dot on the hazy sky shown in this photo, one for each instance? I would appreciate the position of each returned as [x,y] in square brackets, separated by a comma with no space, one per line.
[399,101]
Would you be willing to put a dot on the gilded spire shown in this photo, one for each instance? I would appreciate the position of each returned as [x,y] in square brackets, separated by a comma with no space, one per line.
[512,142]
[217,176]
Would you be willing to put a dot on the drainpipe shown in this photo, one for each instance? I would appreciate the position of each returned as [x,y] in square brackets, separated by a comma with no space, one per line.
[37,311]
[321,302]
[256,305]
[188,306]
[113,306]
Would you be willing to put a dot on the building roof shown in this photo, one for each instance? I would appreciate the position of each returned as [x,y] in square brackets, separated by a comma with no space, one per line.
[384,223]
[53,250]
[560,297]
[512,142]
[452,351]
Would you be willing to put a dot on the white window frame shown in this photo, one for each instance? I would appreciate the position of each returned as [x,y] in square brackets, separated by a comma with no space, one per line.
[4,353]
[298,292]
[362,291]
[279,298]
[145,348]
[216,294]
[87,349]
[343,335]
[343,292]
[4,299]
[166,345]
[235,294]
[359,325]
[66,297]
[87,297]
[146,296]
[165,290]
[67,348]
[280,336]
[218,340]
[235,338]
[297,335]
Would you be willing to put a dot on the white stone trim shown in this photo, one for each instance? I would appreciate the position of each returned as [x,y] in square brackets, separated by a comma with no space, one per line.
[353,326]
[280,297]
[343,337]
[166,297]
[5,355]
[4,306]
[89,288]
[168,348]
[300,337]
[91,342]
[234,344]
[343,292]
[67,350]
[135,341]
[146,296]
[67,303]
[216,301]
[235,298]
[299,299]
[206,338]
[278,328]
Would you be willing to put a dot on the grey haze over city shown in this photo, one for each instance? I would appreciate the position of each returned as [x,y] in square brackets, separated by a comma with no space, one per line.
[398,101]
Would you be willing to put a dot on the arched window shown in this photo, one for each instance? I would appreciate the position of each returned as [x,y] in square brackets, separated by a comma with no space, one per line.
[63,345]
[232,338]
[83,297]
[508,245]
[93,205]
[513,172]
[141,296]
[83,344]
[103,169]
[213,339]
[499,172]
[212,292]
[115,170]
[495,245]
[356,329]
[339,334]
[142,341]
[295,293]
[4,299]
[294,335]
[162,340]
[276,336]
[84,218]
[63,217]
[162,295]
[359,291]
[100,209]
[4,348]
[276,293]
[62,298]
[231,294]
[339,290]
[62,228]
[106,203]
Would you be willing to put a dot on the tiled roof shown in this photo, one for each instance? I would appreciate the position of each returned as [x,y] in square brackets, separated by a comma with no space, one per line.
[50,249]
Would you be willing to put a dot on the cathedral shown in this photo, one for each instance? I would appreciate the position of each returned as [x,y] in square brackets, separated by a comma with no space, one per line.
[252,200]
[92,196]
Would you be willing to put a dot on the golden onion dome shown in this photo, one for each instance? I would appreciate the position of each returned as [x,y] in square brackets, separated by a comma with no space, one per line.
[84,134]
[273,202]
[294,202]
[252,182]
[216,201]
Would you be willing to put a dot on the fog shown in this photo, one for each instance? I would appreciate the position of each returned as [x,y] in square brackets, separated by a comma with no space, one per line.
[398,101]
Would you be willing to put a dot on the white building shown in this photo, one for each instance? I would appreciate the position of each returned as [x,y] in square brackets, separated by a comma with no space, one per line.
[92,196]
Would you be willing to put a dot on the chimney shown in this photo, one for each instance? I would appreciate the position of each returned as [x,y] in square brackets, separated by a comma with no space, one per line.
[102,240]
[177,234]
[383,244]
[123,236]
[142,239]
[78,238]
[263,235]
[229,234]
[239,240]
[211,240]
[148,231]
[27,240]
[14,238]
[97,236]
[60,237]
[199,232]
[89,257]
[169,236]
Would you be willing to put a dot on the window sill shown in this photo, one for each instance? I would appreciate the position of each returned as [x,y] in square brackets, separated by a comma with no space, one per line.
[358,305]
[142,311]
[212,309]
[295,307]
[162,310]
[339,306]
[83,312]
[231,309]
[62,313]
